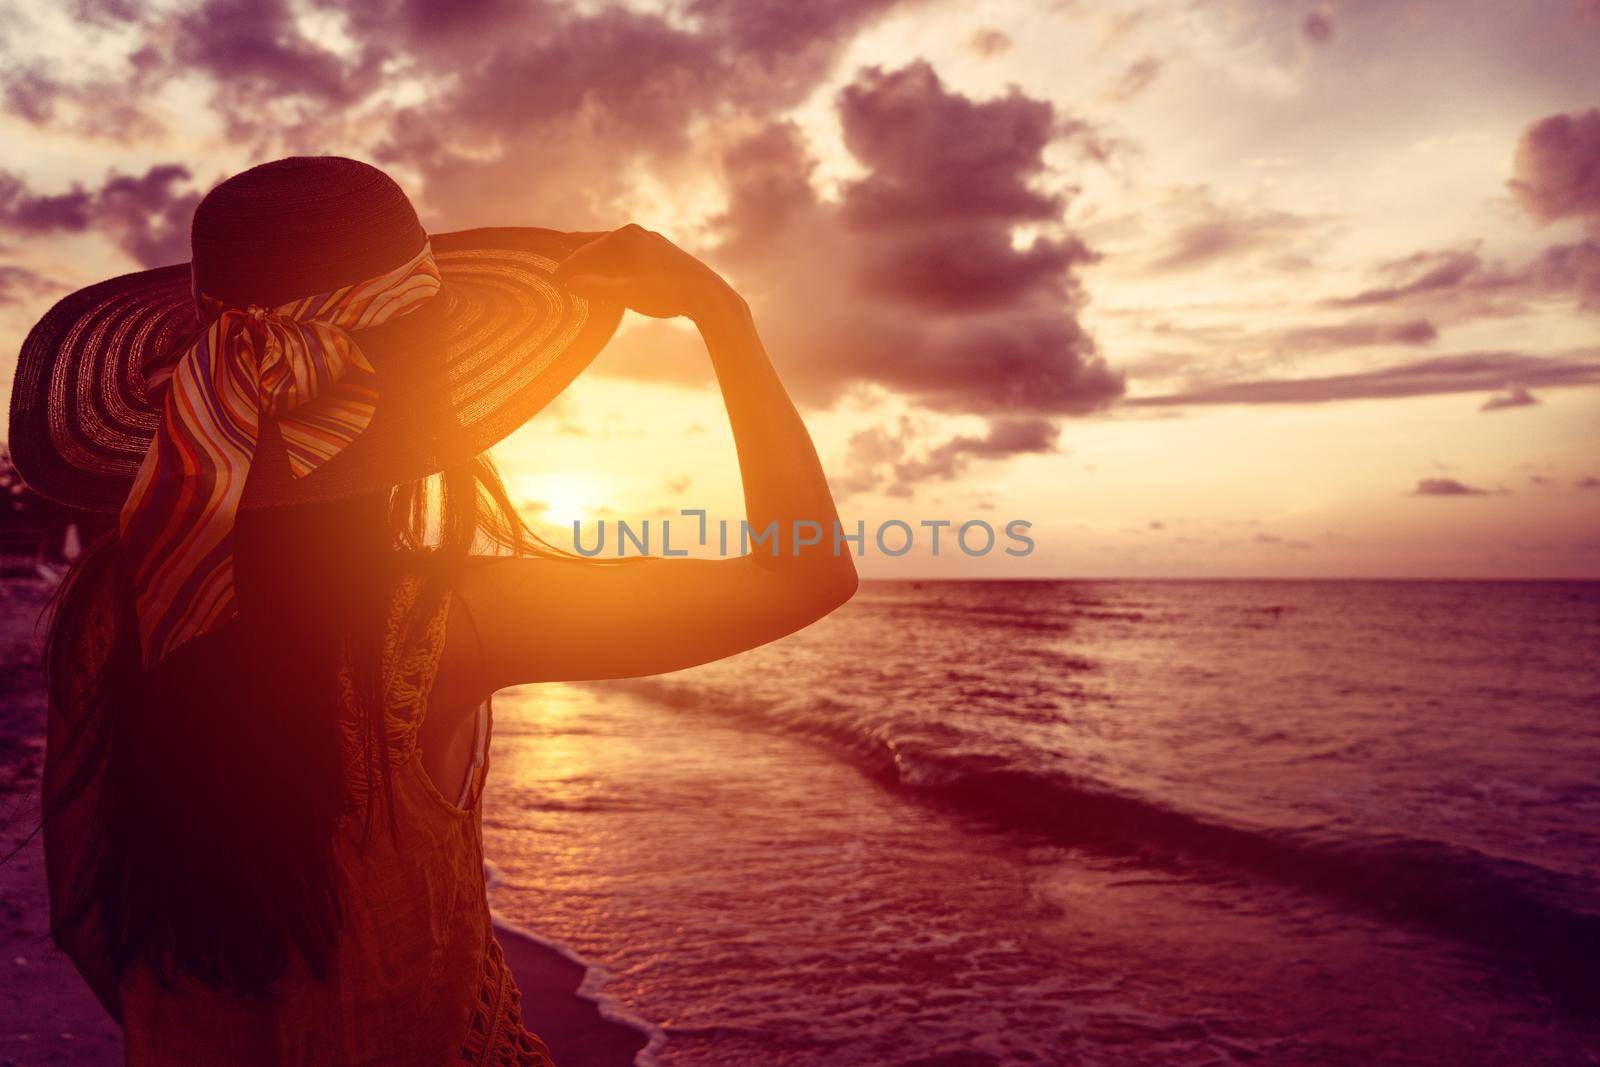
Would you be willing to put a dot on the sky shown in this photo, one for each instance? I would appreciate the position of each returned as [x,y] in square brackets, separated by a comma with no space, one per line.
[1217,288]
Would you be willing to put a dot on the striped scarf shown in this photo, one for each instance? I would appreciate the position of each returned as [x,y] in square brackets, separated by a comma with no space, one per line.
[296,363]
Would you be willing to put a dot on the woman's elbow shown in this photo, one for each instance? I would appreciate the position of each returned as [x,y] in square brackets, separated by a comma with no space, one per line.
[837,586]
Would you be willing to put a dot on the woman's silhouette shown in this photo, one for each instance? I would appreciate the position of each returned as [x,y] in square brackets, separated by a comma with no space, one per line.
[269,688]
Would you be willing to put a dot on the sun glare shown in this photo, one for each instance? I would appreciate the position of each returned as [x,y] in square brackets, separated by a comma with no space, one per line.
[558,498]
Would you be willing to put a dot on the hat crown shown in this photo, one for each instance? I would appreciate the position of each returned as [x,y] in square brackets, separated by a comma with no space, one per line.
[299,226]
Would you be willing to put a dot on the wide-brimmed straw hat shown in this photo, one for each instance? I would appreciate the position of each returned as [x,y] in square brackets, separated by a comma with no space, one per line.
[496,342]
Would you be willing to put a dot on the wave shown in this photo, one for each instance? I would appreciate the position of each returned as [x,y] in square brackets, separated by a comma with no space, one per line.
[1545,922]
[592,987]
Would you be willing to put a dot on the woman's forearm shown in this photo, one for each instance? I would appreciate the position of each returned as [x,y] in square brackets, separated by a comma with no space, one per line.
[783,480]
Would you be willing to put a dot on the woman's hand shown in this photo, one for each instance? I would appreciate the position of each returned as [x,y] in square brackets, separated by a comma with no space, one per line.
[644,271]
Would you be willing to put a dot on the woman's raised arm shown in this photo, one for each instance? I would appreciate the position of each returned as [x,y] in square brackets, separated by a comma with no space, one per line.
[540,619]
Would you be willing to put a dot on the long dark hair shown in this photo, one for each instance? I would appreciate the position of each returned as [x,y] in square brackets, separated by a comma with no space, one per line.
[216,780]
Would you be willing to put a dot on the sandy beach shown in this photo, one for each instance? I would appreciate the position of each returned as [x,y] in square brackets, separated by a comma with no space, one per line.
[50,1015]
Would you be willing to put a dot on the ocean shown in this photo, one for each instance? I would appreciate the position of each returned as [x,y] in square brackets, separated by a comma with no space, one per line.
[1121,822]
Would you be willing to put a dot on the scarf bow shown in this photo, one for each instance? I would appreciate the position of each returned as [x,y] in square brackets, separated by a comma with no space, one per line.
[297,364]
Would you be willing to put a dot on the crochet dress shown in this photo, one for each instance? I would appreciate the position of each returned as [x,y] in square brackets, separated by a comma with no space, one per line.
[418,977]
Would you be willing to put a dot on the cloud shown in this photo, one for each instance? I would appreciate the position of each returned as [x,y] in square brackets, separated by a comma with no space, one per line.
[1511,397]
[538,112]
[1135,78]
[926,293]
[510,111]
[146,216]
[1317,27]
[1587,483]
[892,459]
[1200,230]
[1445,487]
[1460,283]
[259,59]
[1557,169]
[1417,274]
[98,101]
[935,152]
[1005,438]
[1556,175]
[989,42]
[25,212]
[1245,352]
[30,95]
[619,90]
[20,283]
[1575,265]
[1468,373]
[1282,542]
[1358,335]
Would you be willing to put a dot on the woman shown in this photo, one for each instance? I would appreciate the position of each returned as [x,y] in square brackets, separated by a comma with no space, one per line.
[269,686]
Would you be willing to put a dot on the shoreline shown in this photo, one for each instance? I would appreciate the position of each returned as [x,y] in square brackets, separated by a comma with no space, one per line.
[589,1028]
[58,1020]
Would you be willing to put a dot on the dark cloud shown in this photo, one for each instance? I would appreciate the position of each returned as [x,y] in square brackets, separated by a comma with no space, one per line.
[1445,487]
[533,111]
[908,281]
[557,116]
[1587,483]
[147,216]
[939,154]
[923,291]
[23,211]
[256,53]
[273,85]
[150,214]
[1511,397]
[1557,171]
[1471,373]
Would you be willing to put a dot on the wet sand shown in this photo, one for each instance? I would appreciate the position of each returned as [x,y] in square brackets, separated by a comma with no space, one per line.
[50,1016]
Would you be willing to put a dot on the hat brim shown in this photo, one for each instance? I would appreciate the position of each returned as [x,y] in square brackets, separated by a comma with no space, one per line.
[498,342]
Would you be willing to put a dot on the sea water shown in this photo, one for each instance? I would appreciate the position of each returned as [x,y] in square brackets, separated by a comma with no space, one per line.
[1086,823]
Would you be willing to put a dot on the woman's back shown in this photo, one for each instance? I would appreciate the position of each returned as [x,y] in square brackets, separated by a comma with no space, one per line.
[416,975]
